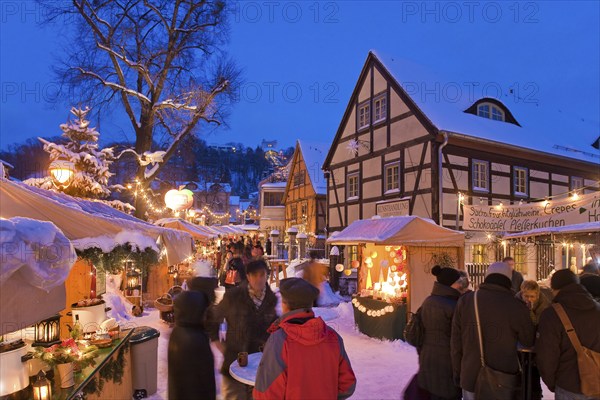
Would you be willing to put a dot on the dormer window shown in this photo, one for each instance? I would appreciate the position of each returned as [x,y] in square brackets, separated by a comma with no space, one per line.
[491,111]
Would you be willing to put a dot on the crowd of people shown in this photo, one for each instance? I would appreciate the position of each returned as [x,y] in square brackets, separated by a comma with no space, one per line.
[297,346]
[472,339]
[472,342]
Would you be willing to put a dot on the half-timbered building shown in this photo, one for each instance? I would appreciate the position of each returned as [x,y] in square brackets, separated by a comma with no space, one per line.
[412,143]
[306,189]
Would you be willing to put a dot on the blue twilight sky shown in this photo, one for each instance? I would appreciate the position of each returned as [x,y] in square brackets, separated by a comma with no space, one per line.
[301,60]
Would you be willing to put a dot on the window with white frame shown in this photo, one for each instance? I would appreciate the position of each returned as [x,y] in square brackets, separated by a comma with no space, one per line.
[481,176]
[352,187]
[364,115]
[576,183]
[491,111]
[392,177]
[520,177]
[380,108]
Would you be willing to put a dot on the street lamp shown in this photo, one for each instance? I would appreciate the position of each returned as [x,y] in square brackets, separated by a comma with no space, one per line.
[62,172]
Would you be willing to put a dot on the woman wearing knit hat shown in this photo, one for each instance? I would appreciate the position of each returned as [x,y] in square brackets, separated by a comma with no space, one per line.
[435,364]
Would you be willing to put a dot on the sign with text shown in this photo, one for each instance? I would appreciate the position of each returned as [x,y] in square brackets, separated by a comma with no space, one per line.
[398,208]
[525,217]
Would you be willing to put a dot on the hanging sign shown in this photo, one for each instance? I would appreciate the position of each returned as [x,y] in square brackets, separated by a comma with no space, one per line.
[525,217]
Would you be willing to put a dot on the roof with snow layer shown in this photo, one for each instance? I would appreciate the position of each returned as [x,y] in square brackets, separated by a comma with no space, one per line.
[443,100]
[314,155]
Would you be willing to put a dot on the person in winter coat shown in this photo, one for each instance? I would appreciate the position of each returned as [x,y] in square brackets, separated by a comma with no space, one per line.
[191,364]
[504,322]
[556,356]
[435,364]
[235,270]
[303,358]
[533,298]
[249,310]
[516,277]
[536,302]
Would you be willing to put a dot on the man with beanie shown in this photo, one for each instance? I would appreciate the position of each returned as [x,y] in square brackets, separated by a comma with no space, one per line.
[303,358]
[435,364]
[249,310]
[504,322]
[557,358]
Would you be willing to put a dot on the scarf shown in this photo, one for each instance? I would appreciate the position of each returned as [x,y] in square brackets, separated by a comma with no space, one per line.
[257,297]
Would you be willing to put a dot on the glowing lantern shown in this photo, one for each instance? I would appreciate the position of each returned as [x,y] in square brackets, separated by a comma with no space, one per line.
[368,260]
[348,272]
[392,254]
[178,200]
[62,172]
[374,254]
[393,268]
[355,264]
[42,389]
[339,267]
[47,332]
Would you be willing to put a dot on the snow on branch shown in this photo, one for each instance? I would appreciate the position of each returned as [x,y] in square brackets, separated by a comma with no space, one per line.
[115,86]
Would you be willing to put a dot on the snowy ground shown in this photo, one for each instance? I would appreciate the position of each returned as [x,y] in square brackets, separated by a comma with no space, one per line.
[382,368]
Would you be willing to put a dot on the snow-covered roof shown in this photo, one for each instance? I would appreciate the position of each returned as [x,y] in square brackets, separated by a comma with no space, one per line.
[234,200]
[443,100]
[408,230]
[6,164]
[274,185]
[90,223]
[314,156]
[585,227]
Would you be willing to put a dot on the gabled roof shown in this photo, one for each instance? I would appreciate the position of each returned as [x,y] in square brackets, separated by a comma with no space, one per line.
[441,101]
[314,156]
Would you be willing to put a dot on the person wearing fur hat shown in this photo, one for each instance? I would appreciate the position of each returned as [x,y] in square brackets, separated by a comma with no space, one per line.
[504,322]
[435,364]
[303,358]
[556,356]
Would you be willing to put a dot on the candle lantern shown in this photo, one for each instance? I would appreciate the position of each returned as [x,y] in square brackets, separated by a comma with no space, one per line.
[47,332]
[172,269]
[42,389]
[134,279]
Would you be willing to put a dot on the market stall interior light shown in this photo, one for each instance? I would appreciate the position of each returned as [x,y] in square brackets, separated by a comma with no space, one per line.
[62,172]
[42,389]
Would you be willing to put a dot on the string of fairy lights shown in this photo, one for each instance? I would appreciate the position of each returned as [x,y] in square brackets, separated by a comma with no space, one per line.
[573,194]
[147,195]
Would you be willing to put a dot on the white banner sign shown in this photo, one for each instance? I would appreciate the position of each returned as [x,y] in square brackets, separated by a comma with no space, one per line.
[543,214]
[398,208]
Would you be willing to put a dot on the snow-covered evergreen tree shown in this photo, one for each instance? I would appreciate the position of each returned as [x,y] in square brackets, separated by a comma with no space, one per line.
[81,148]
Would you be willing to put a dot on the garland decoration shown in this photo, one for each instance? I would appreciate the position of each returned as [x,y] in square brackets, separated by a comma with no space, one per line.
[372,313]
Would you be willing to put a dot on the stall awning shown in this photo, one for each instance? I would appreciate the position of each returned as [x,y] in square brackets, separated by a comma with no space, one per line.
[586,227]
[36,260]
[88,223]
[195,230]
[409,230]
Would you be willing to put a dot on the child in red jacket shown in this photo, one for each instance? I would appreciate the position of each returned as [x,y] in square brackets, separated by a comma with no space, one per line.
[303,358]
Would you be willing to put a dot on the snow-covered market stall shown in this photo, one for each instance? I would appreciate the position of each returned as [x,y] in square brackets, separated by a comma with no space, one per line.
[51,269]
[393,258]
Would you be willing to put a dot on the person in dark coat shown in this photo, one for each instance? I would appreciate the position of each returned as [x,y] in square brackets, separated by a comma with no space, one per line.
[516,277]
[190,360]
[235,264]
[591,283]
[504,322]
[249,310]
[556,356]
[435,364]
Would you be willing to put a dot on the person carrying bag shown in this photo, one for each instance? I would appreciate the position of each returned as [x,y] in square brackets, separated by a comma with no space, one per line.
[492,384]
[588,361]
